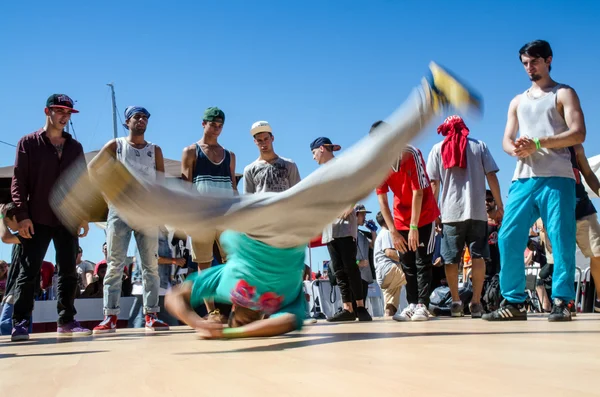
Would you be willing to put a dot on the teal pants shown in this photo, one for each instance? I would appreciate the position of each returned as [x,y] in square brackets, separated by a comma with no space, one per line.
[552,199]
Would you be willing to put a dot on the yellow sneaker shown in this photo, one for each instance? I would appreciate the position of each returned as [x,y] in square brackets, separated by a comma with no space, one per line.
[446,89]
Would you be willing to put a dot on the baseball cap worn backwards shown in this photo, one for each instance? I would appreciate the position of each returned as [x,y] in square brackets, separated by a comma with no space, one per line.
[213,113]
[60,101]
[323,141]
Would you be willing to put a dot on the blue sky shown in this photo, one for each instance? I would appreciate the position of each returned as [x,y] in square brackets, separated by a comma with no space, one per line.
[311,68]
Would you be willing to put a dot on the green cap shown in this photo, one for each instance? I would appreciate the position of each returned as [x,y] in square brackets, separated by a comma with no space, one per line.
[213,113]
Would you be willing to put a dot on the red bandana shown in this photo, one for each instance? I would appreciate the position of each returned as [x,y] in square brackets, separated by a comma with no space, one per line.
[454,147]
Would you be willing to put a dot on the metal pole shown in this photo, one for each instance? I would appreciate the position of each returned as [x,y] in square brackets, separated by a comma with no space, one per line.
[114,109]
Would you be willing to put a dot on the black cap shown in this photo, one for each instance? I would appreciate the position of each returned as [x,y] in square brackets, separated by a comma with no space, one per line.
[323,141]
[60,101]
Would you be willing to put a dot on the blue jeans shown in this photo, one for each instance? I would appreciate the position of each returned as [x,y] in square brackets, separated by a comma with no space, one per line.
[553,199]
[118,235]
[6,320]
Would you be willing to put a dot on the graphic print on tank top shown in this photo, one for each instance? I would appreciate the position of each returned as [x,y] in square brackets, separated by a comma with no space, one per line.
[211,177]
[141,161]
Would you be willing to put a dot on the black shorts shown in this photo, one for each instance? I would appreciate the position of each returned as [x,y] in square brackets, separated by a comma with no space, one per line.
[458,234]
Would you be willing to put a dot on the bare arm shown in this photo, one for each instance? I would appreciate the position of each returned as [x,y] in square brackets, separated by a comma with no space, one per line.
[571,108]
[494,185]
[262,328]
[397,239]
[109,151]
[177,302]
[347,213]
[435,187]
[385,211]
[160,163]
[188,162]
[7,236]
[417,203]
[590,178]
[512,127]
[89,278]
[392,254]
[232,170]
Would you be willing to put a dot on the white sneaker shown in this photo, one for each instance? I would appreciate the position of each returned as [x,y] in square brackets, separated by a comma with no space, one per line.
[406,314]
[421,313]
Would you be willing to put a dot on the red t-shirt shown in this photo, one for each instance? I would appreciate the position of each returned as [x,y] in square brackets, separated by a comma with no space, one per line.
[406,177]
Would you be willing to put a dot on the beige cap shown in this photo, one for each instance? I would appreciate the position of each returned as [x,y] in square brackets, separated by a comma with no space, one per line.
[260,126]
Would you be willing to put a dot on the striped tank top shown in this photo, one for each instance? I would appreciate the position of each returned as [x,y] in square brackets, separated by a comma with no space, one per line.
[211,177]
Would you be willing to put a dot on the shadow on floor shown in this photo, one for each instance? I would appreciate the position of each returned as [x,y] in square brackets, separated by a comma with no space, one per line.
[120,335]
[288,342]
[14,355]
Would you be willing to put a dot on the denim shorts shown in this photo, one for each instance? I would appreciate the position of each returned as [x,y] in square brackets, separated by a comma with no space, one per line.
[456,235]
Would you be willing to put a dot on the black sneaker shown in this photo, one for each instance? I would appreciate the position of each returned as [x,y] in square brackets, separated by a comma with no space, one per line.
[507,312]
[597,306]
[363,314]
[342,315]
[560,311]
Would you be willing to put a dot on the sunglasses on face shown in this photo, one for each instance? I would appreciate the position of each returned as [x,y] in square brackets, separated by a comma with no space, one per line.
[489,199]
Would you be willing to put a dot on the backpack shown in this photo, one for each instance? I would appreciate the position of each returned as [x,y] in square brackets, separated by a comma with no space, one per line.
[492,297]
[440,299]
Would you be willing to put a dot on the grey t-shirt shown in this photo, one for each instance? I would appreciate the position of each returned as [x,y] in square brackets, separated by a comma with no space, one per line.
[278,176]
[83,268]
[383,264]
[347,227]
[463,189]
[362,253]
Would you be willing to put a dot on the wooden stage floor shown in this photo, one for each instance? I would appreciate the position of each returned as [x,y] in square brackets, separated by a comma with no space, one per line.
[443,357]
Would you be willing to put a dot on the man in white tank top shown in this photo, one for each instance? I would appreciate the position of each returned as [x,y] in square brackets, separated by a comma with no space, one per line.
[549,118]
[146,160]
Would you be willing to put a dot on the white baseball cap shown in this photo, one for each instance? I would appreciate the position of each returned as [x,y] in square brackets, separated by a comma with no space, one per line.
[260,126]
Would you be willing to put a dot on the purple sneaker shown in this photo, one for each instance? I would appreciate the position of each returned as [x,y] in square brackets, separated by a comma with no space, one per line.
[20,331]
[72,329]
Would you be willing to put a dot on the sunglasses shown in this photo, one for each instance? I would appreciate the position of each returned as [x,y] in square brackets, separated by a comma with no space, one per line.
[489,199]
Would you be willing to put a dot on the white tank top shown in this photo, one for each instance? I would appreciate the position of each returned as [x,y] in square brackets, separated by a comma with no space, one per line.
[539,118]
[140,161]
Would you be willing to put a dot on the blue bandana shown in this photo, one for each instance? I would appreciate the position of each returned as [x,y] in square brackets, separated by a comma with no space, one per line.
[131,110]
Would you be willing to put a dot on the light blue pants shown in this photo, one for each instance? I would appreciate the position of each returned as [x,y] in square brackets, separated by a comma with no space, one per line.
[6,320]
[118,235]
[554,200]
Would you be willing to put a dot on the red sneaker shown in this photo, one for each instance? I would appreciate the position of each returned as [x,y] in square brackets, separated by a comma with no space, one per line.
[108,325]
[154,324]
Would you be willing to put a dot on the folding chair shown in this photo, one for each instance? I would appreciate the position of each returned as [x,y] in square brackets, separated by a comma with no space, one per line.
[330,299]
[376,303]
